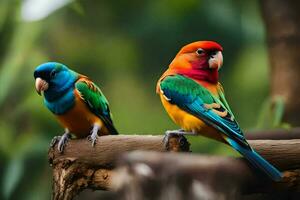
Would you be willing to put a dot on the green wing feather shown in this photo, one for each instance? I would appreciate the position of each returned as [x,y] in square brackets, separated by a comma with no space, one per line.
[97,102]
[222,99]
[185,89]
[193,98]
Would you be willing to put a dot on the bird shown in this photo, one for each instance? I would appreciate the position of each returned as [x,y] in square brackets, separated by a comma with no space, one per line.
[194,99]
[76,101]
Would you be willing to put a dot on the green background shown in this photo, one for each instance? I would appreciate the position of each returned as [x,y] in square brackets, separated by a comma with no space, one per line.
[124,46]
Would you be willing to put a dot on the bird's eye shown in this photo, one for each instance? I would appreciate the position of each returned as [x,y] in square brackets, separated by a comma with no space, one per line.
[200,51]
[53,74]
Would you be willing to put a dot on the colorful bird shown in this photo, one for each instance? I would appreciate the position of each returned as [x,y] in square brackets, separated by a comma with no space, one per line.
[194,99]
[77,103]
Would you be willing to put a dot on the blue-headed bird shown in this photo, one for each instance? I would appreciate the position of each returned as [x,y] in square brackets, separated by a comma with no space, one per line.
[77,103]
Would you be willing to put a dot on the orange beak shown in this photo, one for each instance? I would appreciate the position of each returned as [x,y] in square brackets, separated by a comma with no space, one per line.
[216,61]
[41,85]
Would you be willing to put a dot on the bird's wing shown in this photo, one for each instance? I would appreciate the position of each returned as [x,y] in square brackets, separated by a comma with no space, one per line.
[223,99]
[96,101]
[198,101]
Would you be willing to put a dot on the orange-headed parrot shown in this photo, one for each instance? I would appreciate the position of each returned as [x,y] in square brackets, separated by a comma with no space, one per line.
[194,99]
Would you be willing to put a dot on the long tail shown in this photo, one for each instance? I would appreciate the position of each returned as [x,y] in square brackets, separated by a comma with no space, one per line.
[256,160]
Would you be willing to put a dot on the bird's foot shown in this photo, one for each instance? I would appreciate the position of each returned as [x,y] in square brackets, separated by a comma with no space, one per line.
[62,141]
[92,138]
[171,133]
[94,135]
[179,133]
[54,141]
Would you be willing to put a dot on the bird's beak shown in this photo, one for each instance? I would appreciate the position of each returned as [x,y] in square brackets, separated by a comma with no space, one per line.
[216,60]
[41,85]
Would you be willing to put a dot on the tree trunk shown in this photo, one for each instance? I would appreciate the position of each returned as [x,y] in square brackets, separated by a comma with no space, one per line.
[282,20]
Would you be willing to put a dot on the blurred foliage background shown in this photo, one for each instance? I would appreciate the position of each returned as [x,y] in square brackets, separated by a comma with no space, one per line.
[124,46]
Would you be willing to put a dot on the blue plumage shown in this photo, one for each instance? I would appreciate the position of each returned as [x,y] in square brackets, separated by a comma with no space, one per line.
[192,97]
[192,100]
[256,160]
[59,97]
[62,104]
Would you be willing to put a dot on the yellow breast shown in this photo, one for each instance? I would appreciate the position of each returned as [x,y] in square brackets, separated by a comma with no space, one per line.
[80,120]
[189,122]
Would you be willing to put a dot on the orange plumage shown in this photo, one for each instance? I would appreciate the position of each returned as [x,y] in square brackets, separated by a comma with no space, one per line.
[77,102]
[195,100]
[80,119]
[181,64]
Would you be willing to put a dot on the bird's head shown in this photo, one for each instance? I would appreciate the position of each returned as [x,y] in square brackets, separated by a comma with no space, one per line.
[53,78]
[200,60]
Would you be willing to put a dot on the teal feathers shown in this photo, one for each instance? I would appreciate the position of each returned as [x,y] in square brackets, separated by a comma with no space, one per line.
[194,98]
[59,97]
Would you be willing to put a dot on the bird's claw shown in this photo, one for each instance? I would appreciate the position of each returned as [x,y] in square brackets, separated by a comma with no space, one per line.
[94,134]
[54,140]
[170,133]
[62,141]
[92,138]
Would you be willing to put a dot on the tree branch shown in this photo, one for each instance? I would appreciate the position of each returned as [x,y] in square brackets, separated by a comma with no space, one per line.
[82,166]
[277,134]
[182,176]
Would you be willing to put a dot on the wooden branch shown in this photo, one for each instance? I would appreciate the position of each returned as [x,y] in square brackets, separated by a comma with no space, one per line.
[186,176]
[278,134]
[82,166]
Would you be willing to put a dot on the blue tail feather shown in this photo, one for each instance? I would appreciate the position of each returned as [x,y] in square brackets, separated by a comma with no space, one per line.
[256,160]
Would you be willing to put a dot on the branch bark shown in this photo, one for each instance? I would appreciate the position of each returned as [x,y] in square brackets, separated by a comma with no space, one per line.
[82,166]
[182,176]
[277,134]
